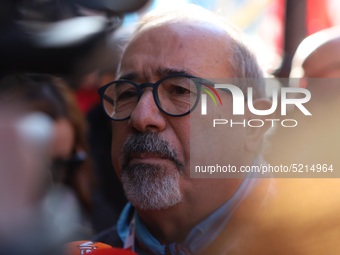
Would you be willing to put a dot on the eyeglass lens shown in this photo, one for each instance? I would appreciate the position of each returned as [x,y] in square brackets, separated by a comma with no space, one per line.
[176,96]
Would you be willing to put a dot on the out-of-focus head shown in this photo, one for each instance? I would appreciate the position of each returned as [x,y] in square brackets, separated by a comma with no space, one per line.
[316,65]
[38,129]
[318,55]
[50,96]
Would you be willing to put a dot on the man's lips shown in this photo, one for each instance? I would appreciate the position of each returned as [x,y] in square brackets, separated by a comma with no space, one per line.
[145,156]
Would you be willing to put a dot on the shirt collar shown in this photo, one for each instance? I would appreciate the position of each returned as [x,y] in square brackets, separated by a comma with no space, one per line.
[199,237]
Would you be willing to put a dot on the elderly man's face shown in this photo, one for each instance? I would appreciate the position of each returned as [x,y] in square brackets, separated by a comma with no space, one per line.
[152,151]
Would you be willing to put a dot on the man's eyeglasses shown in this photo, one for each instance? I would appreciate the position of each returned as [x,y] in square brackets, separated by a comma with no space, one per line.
[175,95]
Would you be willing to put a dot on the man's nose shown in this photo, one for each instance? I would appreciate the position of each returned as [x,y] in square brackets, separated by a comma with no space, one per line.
[146,116]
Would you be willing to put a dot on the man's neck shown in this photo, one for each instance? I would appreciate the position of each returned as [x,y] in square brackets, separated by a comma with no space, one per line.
[174,224]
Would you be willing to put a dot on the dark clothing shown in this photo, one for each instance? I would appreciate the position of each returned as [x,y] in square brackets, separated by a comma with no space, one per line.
[109,198]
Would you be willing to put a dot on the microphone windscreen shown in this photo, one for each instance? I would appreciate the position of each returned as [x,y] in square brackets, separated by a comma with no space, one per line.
[113,251]
[94,248]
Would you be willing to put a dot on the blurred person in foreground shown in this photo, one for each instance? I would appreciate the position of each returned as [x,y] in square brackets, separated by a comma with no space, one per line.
[308,208]
[66,154]
[158,137]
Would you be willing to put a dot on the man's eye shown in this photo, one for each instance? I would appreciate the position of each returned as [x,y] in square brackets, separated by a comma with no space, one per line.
[127,95]
[179,90]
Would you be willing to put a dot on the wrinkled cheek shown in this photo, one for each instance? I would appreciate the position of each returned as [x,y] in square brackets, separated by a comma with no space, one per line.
[119,136]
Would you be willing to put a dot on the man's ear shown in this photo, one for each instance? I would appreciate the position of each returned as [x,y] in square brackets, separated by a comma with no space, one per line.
[257,124]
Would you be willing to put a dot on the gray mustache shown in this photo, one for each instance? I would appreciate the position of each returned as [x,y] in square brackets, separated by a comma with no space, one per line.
[149,143]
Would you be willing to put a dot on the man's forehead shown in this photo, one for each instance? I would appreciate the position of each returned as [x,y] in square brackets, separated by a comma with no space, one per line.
[184,28]
[176,46]
[160,72]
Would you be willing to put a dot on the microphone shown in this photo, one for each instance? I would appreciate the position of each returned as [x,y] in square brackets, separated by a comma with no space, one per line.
[94,248]
[113,251]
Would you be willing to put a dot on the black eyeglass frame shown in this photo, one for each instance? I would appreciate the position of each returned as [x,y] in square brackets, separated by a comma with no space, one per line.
[199,82]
